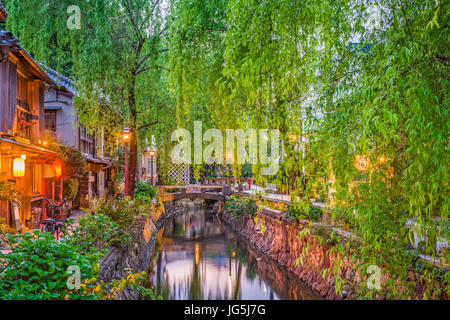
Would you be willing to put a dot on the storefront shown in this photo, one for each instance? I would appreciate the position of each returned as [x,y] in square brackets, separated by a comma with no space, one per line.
[35,171]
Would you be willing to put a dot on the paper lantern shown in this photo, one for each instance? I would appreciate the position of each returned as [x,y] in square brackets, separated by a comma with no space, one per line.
[58,168]
[19,167]
[362,162]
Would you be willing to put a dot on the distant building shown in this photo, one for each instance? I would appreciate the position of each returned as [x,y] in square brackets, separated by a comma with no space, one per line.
[62,125]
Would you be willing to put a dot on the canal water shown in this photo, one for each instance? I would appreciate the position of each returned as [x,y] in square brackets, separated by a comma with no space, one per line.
[196,257]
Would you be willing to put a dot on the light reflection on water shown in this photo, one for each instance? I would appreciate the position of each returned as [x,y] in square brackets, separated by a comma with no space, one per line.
[196,257]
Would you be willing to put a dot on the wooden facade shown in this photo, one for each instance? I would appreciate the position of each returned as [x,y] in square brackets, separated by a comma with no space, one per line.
[22,127]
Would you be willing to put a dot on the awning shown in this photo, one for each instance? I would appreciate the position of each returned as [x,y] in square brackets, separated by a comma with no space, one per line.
[53,108]
[29,146]
[95,160]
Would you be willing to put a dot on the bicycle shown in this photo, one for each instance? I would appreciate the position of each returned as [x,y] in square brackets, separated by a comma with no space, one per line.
[54,225]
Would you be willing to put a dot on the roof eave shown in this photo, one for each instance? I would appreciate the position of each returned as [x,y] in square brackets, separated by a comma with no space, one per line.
[42,74]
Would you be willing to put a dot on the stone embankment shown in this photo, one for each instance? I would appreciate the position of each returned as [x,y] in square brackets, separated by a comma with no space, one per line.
[280,239]
[119,261]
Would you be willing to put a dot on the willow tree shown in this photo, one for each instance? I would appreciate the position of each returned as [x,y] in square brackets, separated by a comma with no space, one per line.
[386,100]
[368,80]
[116,57]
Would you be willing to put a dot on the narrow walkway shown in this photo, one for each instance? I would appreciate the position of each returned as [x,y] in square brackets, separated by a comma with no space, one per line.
[259,191]
[76,215]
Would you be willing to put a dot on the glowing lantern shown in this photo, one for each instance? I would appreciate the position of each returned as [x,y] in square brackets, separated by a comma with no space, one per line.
[19,167]
[57,167]
[381,159]
[292,138]
[362,162]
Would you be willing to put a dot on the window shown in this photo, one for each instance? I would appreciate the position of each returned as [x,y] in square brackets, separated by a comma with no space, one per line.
[23,93]
[87,142]
[23,124]
[50,120]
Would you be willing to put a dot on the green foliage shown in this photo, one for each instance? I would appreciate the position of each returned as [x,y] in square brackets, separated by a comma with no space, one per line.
[31,272]
[292,66]
[75,164]
[8,190]
[288,65]
[111,290]
[299,212]
[124,214]
[70,188]
[145,192]
[94,233]
[239,206]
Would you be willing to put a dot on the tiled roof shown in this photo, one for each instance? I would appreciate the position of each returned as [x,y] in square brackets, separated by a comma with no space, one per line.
[3,13]
[8,39]
[59,79]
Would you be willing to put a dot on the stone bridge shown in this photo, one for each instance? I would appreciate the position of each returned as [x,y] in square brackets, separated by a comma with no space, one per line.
[205,192]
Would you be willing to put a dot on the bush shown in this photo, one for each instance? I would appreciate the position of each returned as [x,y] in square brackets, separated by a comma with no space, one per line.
[94,233]
[37,268]
[147,189]
[239,206]
[75,164]
[145,192]
[70,188]
[124,212]
[298,212]
[8,190]
[5,229]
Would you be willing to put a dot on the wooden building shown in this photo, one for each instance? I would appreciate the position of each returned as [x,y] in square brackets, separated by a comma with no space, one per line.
[62,126]
[24,157]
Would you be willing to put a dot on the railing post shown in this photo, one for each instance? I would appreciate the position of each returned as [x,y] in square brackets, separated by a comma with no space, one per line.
[226,190]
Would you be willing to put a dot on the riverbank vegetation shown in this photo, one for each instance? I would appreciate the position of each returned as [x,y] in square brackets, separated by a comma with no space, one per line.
[71,270]
[239,206]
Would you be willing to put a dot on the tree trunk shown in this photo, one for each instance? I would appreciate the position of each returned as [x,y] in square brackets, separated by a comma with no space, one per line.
[133,142]
[132,165]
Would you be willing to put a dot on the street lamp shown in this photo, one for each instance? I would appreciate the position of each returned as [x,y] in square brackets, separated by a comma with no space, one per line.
[126,137]
[152,154]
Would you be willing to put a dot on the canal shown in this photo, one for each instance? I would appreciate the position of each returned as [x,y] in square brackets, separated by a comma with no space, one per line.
[197,257]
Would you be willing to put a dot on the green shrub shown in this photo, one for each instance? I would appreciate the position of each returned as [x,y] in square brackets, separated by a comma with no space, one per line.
[239,206]
[37,268]
[145,192]
[125,213]
[147,188]
[299,212]
[94,233]
[70,188]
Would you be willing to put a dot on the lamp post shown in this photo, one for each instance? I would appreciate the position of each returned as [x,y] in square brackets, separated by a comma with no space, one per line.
[152,154]
[126,137]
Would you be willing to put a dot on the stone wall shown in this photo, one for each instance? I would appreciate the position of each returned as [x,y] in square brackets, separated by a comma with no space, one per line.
[280,240]
[135,256]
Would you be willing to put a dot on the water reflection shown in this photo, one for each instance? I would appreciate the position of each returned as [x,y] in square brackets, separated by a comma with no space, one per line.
[196,257]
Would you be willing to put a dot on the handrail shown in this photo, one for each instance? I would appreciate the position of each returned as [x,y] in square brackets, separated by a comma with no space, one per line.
[192,187]
[194,191]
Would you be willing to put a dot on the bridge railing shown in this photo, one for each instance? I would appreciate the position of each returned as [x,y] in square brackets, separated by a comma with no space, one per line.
[235,184]
[194,191]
